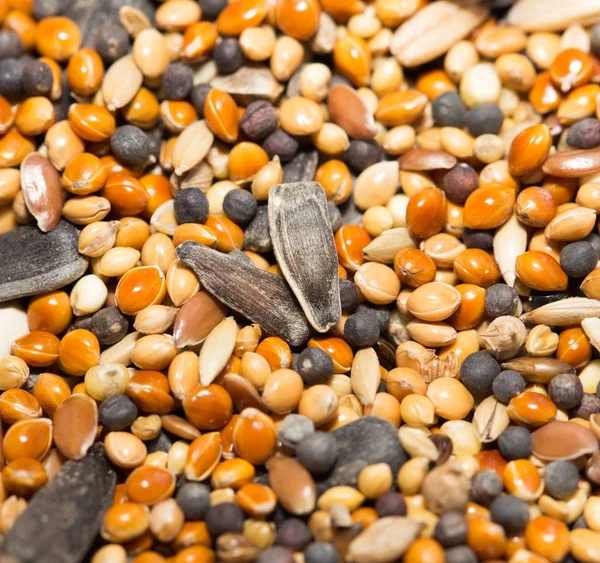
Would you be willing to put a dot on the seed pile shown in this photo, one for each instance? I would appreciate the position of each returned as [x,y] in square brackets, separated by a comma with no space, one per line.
[303,281]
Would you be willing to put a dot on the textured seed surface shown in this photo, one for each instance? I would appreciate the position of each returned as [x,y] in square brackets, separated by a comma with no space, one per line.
[299,224]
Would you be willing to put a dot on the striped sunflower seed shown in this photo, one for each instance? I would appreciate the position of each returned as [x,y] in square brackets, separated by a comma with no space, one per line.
[191,147]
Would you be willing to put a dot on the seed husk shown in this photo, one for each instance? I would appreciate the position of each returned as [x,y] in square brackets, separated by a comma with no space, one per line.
[365,375]
[133,20]
[249,84]
[191,147]
[75,425]
[538,370]
[591,327]
[299,224]
[34,262]
[42,190]
[217,350]
[262,297]
[155,319]
[79,494]
[510,241]
[566,312]
[490,420]
[504,337]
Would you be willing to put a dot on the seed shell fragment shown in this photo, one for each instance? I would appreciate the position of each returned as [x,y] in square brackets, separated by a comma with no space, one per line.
[305,250]
[63,518]
[262,297]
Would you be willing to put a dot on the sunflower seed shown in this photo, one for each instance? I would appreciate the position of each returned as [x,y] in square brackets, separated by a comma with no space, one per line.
[262,297]
[42,190]
[301,168]
[490,420]
[305,249]
[386,246]
[217,350]
[249,84]
[365,375]
[538,370]
[121,83]
[433,30]
[551,15]
[510,241]
[566,312]
[191,147]
[257,237]
[75,499]
[34,262]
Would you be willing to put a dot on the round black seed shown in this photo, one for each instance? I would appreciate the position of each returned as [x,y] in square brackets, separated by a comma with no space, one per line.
[585,134]
[240,206]
[294,533]
[109,326]
[515,443]
[335,217]
[500,299]
[276,554]
[348,295]
[460,182]
[362,329]
[321,552]
[11,74]
[117,413]
[228,55]
[510,512]
[382,313]
[390,504]
[294,428]
[578,259]
[259,120]
[478,238]
[177,81]
[37,79]
[46,9]
[484,118]
[449,110]
[451,529]
[129,144]
[561,479]
[565,391]
[112,42]
[486,486]
[589,405]
[317,452]
[194,500]
[314,366]
[478,372]
[460,554]
[362,154]
[280,144]
[198,97]
[507,385]
[191,206]
[10,44]
[224,518]
[211,8]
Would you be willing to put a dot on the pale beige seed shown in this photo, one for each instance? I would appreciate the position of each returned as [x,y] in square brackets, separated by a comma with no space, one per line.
[377,184]
[431,334]
[541,341]
[133,20]
[163,219]
[258,43]
[155,319]
[433,301]
[365,375]
[191,147]
[124,449]
[121,83]
[150,53]
[416,442]
[14,373]
[63,145]
[464,438]
[378,283]
[342,494]
[331,139]
[286,58]
[376,220]
[459,58]
[110,553]
[314,81]
[109,380]
[176,15]
[385,247]
[120,353]
[154,351]
[200,176]
[117,261]
[490,420]
[183,374]
[571,225]
[457,142]
[510,241]
[182,283]
[399,140]
[591,327]
[217,350]
[412,474]
[147,428]
[566,312]
[300,116]
[86,210]
[96,239]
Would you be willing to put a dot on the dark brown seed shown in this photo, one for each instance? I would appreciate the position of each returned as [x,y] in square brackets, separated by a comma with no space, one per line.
[260,296]
[34,262]
[63,518]
[196,318]
[573,164]
[243,393]
[299,224]
[42,190]
[419,160]
[538,370]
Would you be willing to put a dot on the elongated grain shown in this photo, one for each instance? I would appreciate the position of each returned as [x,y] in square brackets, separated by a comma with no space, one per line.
[552,15]
[305,250]
[191,147]
[510,241]
[121,83]
[217,350]
[365,375]
[573,164]
[566,312]
[260,296]
[433,30]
